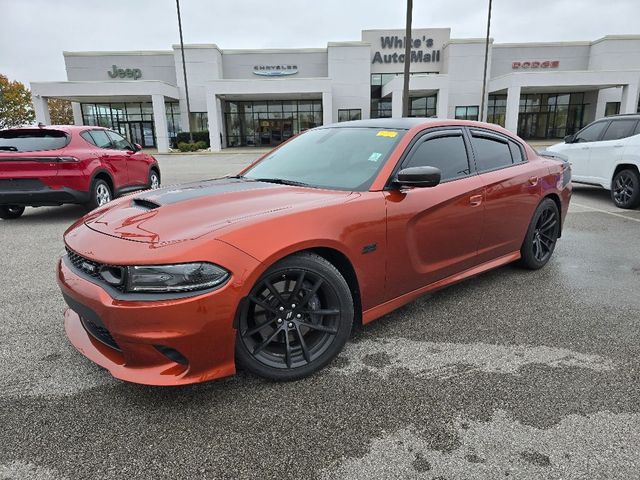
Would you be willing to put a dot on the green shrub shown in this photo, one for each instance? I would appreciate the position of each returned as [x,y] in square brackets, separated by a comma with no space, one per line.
[183,137]
[187,147]
[201,145]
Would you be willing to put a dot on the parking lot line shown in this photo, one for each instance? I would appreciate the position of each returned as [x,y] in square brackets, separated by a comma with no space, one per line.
[605,211]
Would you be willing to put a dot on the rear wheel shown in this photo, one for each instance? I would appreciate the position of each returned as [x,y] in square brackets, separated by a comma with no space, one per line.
[154,179]
[100,194]
[542,235]
[297,318]
[625,189]
[10,212]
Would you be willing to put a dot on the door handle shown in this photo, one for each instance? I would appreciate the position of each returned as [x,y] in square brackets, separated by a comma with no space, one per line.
[533,181]
[618,146]
[475,200]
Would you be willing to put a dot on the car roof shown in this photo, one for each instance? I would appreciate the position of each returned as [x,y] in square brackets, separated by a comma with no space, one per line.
[412,122]
[64,128]
[403,123]
[632,116]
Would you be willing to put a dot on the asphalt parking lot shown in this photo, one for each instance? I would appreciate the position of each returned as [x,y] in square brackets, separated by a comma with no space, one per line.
[513,374]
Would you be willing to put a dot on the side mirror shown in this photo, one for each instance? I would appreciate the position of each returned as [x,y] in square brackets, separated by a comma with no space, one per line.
[137,147]
[569,139]
[418,177]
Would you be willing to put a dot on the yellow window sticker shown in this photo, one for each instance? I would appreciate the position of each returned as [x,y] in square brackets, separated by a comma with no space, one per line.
[386,133]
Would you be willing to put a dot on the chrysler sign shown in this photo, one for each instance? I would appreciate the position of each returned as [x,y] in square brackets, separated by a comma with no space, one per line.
[275,70]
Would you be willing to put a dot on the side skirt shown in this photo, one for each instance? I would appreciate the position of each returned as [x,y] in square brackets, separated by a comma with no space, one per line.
[389,306]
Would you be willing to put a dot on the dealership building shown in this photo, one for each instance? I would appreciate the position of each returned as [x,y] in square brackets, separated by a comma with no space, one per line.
[262,97]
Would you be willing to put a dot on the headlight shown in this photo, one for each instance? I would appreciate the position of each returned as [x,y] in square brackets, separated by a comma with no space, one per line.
[175,278]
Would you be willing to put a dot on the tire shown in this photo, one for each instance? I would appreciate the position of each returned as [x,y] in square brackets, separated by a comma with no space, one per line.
[100,194]
[625,189]
[11,212]
[542,235]
[278,337]
[154,179]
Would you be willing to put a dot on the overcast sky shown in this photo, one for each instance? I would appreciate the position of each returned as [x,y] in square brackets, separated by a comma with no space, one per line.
[35,32]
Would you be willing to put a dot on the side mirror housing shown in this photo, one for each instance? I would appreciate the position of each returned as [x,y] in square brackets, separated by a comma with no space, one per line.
[137,147]
[569,139]
[418,177]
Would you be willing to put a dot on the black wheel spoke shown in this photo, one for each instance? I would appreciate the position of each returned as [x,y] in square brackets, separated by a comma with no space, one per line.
[287,351]
[319,327]
[311,293]
[298,286]
[258,328]
[549,222]
[332,311]
[262,304]
[269,339]
[274,291]
[303,345]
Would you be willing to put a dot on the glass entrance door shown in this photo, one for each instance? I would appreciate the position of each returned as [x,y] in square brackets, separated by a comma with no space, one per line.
[271,131]
[141,133]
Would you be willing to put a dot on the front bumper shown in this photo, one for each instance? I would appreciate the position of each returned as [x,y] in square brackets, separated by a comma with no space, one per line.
[133,337]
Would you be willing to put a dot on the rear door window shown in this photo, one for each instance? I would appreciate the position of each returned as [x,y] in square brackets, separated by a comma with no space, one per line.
[32,140]
[491,151]
[619,129]
[87,136]
[100,139]
[119,142]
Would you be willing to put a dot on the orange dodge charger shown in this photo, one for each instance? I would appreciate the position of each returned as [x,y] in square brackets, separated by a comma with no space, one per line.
[271,268]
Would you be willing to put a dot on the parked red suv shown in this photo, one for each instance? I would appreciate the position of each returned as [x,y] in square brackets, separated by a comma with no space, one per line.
[69,164]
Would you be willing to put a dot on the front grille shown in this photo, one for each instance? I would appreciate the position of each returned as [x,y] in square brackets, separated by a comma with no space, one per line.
[100,333]
[93,268]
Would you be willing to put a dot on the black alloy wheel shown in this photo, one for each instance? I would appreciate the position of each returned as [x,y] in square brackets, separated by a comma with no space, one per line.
[296,319]
[625,189]
[11,212]
[542,235]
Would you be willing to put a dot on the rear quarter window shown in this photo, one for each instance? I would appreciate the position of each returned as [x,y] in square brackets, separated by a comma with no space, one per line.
[32,140]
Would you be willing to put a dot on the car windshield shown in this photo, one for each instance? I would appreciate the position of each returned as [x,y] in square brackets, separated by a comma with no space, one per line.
[340,158]
[24,140]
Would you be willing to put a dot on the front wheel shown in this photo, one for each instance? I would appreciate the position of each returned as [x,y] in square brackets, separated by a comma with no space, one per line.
[625,189]
[296,319]
[541,237]
[11,212]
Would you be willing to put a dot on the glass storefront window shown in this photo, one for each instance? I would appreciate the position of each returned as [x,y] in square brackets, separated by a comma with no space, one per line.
[497,109]
[467,112]
[345,115]
[269,123]
[550,115]
[424,106]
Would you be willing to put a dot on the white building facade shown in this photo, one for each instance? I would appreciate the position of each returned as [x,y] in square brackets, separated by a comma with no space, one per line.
[246,98]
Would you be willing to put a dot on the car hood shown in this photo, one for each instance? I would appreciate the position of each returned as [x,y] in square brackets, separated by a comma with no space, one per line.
[189,211]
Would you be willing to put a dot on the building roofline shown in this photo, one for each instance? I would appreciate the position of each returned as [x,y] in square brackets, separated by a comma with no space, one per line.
[193,46]
[115,52]
[242,51]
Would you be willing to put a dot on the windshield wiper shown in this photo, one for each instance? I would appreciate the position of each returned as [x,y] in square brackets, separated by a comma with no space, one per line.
[282,181]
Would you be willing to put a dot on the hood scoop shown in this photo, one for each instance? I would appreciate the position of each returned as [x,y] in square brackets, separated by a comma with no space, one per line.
[144,204]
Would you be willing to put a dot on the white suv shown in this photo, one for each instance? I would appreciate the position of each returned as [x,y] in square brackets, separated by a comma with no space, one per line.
[607,153]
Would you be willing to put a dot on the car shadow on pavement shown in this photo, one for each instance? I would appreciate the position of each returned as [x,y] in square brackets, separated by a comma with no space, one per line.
[40,215]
